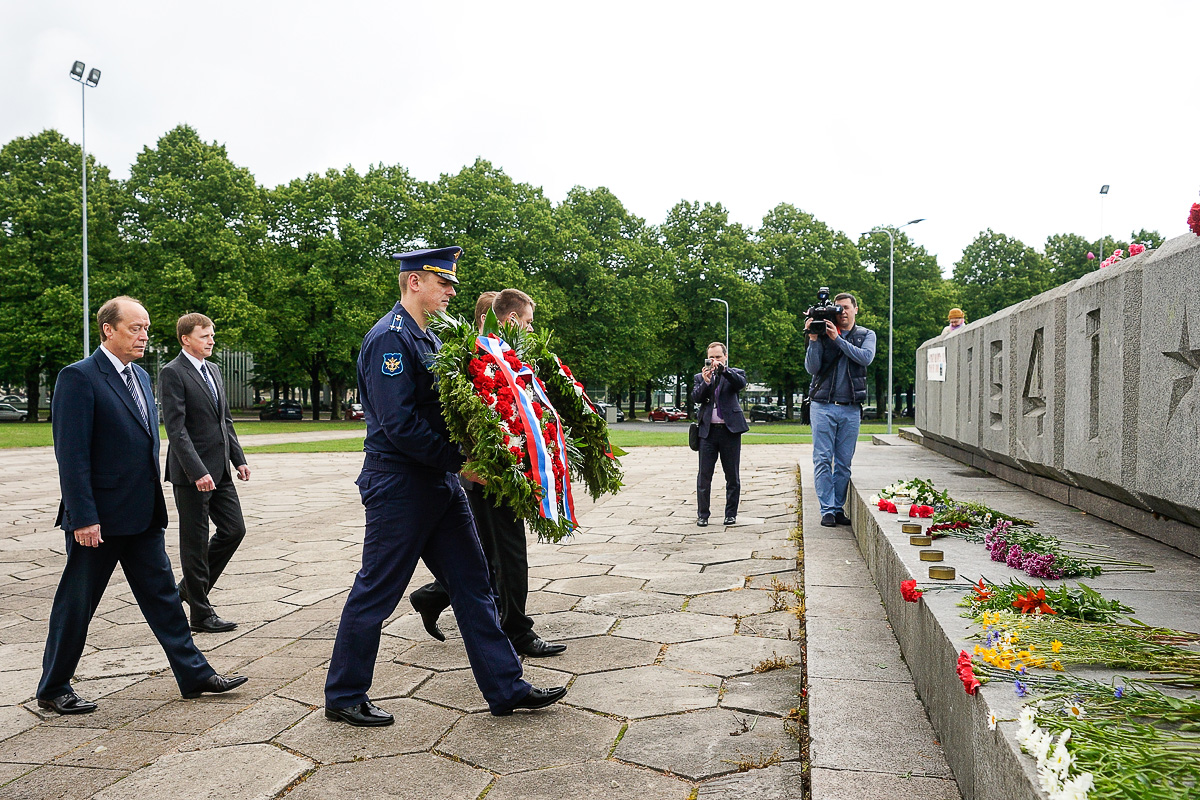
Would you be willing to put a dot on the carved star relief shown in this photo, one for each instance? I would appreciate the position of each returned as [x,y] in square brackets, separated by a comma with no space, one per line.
[1189,357]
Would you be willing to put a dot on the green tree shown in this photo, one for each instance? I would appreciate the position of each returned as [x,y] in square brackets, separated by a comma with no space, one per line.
[796,255]
[195,222]
[923,299]
[996,271]
[41,277]
[706,256]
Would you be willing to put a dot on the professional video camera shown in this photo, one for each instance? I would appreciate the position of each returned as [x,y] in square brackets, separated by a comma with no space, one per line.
[821,311]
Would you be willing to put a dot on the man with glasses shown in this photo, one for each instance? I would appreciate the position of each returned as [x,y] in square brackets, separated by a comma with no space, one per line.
[837,358]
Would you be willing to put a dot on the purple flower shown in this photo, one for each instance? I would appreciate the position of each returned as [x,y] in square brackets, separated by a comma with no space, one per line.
[1016,557]
[1000,551]
[1020,688]
[1041,565]
[1119,693]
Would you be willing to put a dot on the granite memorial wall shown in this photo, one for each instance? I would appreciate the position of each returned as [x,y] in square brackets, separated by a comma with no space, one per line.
[1087,393]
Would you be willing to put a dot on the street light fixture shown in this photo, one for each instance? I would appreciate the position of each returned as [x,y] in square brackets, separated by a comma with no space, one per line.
[1103,194]
[891,300]
[719,300]
[92,79]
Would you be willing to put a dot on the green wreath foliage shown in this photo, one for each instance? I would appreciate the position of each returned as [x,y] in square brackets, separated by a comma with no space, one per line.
[476,427]
[600,473]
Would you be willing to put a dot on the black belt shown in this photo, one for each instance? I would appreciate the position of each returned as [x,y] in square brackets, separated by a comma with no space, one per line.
[836,403]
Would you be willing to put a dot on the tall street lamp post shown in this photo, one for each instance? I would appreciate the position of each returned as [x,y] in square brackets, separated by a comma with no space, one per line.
[891,300]
[719,300]
[91,80]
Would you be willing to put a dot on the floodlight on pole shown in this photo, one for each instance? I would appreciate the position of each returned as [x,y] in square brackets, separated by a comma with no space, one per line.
[92,79]
[891,300]
[719,300]
[1103,194]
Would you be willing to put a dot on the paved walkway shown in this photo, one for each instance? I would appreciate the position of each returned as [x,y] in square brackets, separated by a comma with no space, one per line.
[665,623]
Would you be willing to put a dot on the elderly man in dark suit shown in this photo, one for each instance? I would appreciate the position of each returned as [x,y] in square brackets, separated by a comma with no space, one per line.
[112,510]
[722,424]
[202,447]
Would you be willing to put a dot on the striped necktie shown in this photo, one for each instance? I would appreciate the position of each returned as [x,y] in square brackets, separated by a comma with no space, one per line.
[137,395]
[209,383]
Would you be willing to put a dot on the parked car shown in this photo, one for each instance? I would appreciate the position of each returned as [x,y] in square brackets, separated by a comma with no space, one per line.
[281,409]
[603,409]
[671,414]
[14,400]
[353,411]
[767,414]
[10,413]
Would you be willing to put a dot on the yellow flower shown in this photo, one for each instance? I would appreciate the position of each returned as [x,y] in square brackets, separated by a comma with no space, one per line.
[1024,654]
[978,650]
[1056,645]
[1014,637]
[1056,665]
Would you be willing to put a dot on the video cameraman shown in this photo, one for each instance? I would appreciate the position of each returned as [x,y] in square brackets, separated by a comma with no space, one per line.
[722,424]
[837,358]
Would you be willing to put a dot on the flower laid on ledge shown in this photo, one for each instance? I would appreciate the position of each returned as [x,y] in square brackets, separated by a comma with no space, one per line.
[1194,219]
[1033,603]
[966,673]
[1114,258]
[910,592]
[887,505]
[921,511]
[1136,249]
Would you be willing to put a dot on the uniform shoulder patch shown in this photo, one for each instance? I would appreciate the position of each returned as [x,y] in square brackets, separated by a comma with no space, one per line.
[397,323]
[393,364]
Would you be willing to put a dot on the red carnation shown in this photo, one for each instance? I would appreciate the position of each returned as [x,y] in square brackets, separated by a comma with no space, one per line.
[921,511]
[517,454]
[887,505]
[1136,249]
[966,673]
[1194,219]
[910,592]
[538,410]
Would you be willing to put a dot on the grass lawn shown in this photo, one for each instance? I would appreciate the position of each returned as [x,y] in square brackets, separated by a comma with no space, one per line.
[23,434]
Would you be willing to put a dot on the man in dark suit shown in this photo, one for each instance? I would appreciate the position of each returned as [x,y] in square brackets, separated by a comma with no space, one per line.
[722,424]
[112,510]
[202,447]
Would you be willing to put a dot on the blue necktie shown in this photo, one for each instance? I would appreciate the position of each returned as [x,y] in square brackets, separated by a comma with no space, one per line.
[137,395]
[208,381]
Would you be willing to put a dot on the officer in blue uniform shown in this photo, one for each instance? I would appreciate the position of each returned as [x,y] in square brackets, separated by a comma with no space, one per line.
[416,508]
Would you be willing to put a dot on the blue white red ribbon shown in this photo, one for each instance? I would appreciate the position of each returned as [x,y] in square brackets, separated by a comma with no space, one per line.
[540,459]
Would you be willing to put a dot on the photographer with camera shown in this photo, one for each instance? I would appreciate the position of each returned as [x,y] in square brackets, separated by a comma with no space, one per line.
[722,424]
[838,355]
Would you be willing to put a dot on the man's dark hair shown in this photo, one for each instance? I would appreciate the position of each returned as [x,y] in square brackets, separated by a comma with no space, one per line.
[511,300]
[110,313]
[846,296]
[189,322]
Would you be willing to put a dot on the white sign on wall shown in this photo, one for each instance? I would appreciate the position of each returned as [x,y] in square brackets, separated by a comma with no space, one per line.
[937,363]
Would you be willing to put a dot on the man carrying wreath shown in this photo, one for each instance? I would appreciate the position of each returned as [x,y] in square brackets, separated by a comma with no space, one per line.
[501,531]
[416,508]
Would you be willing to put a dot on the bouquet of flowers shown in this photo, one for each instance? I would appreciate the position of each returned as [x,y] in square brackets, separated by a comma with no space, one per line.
[598,468]
[498,410]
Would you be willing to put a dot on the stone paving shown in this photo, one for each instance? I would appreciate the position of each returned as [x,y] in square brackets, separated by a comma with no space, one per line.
[665,623]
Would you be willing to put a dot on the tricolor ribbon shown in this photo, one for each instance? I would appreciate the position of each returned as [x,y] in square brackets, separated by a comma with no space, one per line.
[535,443]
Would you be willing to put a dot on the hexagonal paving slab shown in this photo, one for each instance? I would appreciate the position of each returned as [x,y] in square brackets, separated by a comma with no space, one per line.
[643,692]
[414,777]
[247,772]
[592,780]
[536,740]
[704,744]
[599,584]
[629,604]
[418,726]
[676,627]
[774,692]
[571,624]
[729,655]
[739,603]
[697,583]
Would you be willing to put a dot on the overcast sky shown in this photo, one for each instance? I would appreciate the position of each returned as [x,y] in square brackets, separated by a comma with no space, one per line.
[973,115]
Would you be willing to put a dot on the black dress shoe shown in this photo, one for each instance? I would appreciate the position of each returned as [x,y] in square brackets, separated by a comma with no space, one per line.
[182,592]
[841,519]
[828,521]
[363,715]
[213,624]
[216,684]
[69,703]
[429,619]
[731,520]
[539,648]
[702,522]
[537,698]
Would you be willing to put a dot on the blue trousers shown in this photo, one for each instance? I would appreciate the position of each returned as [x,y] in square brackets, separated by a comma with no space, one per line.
[835,434]
[409,516]
[144,560]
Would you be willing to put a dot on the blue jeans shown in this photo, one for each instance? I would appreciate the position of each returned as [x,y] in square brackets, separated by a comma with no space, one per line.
[835,433]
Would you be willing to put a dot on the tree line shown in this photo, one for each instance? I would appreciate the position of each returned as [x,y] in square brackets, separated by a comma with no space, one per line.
[296,274]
